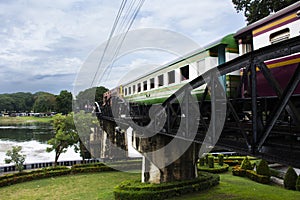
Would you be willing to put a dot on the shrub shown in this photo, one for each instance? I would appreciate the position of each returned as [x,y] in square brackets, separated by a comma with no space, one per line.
[15,157]
[298,183]
[217,169]
[290,179]
[221,159]
[246,164]
[238,171]
[135,190]
[202,161]
[257,177]
[210,161]
[206,157]
[263,168]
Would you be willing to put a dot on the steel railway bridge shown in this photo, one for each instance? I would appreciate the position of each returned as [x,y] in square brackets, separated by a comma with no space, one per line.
[265,127]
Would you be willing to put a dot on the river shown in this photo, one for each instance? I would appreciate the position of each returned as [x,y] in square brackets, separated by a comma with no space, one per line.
[33,140]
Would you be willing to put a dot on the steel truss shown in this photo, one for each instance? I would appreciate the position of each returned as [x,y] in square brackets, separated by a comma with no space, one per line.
[266,127]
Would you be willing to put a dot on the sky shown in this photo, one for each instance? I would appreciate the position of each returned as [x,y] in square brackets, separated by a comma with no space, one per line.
[45,44]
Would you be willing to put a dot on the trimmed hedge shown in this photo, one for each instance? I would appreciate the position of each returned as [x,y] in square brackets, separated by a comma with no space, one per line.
[202,161]
[246,164]
[134,190]
[238,171]
[217,169]
[210,162]
[32,175]
[221,159]
[48,172]
[257,177]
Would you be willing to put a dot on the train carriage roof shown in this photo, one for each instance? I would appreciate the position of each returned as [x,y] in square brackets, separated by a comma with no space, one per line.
[248,29]
[228,41]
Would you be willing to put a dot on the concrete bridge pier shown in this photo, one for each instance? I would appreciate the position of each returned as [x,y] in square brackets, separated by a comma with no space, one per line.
[165,160]
[114,141]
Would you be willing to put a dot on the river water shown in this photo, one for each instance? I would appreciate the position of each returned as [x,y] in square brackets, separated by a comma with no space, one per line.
[33,140]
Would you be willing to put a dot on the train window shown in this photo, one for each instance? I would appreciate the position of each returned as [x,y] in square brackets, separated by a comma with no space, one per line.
[139,89]
[171,77]
[184,72]
[160,80]
[152,83]
[145,85]
[129,90]
[133,89]
[125,92]
[280,36]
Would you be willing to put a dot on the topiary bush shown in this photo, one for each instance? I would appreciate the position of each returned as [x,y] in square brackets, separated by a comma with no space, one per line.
[263,168]
[206,157]
[211,162]
[202,161]
[221,159]
[246,164]
[298,183]
[290,179]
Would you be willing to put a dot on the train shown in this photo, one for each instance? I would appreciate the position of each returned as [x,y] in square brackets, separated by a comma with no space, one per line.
[156,86]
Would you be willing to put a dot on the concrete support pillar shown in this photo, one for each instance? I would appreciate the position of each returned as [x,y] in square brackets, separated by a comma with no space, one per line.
[158,166]
[115,141]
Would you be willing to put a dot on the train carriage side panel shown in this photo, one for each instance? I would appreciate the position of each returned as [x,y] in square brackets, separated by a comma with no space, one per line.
[279,29]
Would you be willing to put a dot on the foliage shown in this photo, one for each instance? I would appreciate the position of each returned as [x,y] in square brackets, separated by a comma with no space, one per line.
[39,102]
[217,169]
[135,190]
[89,96]
[202,161]
[210,161]
[15,157]
[64,102]
[85,123]
[221,159]
[263,168]
[44,102]
[246,164]
[298,183]
[206,157]
[17,102]
[238,171]
[290,179]
[257,177]
[65,135]
[47,172]
[255,10]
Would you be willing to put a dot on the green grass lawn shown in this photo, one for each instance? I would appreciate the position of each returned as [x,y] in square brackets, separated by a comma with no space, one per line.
[82,186]
[24,120]
[100,186]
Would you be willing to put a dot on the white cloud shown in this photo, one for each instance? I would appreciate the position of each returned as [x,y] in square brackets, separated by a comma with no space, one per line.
[52,38]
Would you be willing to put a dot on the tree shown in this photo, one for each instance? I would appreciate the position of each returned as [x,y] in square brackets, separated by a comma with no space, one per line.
[65,135]
[44,102]
[16,157]
[6,103]
[85,122]
[64,102]
[255,10]
[89,96]
[22,101]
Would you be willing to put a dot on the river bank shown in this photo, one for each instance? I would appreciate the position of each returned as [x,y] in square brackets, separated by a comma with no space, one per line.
[28,120]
